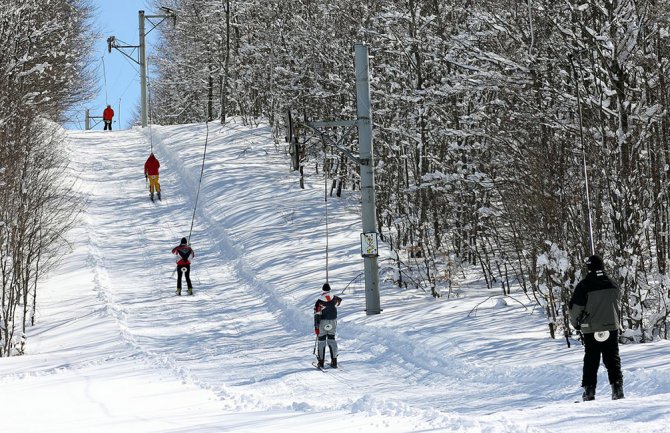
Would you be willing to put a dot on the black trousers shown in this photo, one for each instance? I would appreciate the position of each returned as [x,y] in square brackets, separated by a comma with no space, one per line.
[187,274]
[610,353]
[108,125]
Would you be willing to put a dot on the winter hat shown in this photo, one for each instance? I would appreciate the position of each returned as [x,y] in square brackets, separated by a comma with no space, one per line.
[594,263]
[184,241]
[326,287]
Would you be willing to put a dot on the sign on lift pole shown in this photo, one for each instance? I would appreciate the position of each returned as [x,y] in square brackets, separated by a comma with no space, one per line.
[365,160]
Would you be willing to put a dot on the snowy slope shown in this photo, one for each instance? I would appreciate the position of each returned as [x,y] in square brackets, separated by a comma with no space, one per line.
[114,349]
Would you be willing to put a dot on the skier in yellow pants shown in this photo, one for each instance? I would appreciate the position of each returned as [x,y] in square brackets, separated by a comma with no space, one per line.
[151,172]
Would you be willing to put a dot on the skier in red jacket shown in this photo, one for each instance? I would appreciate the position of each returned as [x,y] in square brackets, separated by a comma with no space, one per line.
[107,117]
[184,253]
[151,167]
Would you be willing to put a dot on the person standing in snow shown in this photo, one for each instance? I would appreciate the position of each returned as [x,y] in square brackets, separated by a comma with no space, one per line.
[107,116]
[184,255]
[325,324]
[595,309]
[151,167]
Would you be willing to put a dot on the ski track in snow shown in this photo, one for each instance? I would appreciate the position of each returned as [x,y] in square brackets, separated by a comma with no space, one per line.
[246,334]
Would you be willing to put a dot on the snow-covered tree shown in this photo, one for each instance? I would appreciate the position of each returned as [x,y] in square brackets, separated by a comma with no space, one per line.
[42,73]
[489,119]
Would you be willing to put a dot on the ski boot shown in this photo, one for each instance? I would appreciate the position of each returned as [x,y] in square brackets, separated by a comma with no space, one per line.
[617,390]
[151,196]
[190,290]
[333,362]
[159,195]
[589,393]
[320,363]
[179,291]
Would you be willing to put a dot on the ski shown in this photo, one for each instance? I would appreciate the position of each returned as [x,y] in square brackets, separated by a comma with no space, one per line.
[315,364]
[325,366]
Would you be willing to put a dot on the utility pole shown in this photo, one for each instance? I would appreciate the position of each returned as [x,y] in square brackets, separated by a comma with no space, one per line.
[364,125]
[112,42]
[365,160]
[143,71]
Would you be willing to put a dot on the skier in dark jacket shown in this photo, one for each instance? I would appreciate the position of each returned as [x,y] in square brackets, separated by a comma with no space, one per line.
[184,255]
[325,324]
[595,308]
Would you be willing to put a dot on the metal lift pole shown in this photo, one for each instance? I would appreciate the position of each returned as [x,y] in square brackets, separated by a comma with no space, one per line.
[369,219]
[143,71]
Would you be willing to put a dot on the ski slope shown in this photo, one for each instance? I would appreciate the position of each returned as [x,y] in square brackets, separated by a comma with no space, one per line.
[114,350]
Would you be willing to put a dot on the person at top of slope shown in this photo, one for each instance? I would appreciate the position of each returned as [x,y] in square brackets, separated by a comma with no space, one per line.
[325,325]
[595,309]
[184,255]
[151,167]
[107,116]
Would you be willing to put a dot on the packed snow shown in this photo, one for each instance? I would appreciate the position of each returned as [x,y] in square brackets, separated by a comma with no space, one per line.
[115,350]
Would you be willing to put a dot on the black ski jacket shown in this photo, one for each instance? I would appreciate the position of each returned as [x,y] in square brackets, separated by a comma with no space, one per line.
[596,304]
[326,307]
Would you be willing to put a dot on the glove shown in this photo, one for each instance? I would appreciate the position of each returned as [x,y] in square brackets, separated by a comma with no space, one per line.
[316,331]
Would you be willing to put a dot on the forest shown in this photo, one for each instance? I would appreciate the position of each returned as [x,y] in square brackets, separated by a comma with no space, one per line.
[43,72]
[516,137]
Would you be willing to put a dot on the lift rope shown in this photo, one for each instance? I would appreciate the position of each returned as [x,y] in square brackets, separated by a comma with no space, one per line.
[585,167]
[325,197]
[202,171]
[104,75]
[151,135]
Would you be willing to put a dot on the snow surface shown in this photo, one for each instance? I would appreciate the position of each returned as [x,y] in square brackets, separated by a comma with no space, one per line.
[114,350]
